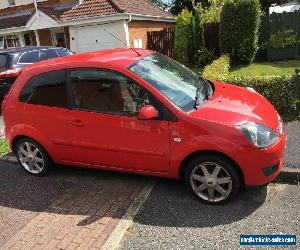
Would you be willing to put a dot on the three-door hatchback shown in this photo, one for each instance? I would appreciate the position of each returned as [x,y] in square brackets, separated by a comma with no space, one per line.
[141,112]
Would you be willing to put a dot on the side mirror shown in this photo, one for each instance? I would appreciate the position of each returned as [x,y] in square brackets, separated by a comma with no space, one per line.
[147,112]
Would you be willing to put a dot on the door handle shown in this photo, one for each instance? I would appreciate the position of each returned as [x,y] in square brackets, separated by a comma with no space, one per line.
[77,123]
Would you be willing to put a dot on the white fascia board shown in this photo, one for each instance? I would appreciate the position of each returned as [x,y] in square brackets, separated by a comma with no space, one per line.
[153,18]
[116,17]
[12,30]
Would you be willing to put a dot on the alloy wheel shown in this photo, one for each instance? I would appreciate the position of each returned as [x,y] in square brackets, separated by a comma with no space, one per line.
[211,182]
[31,157]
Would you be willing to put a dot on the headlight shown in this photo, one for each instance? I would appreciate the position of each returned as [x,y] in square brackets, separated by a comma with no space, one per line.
[258,134]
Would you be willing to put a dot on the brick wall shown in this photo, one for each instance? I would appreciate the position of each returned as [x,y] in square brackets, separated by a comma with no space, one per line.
[138,30]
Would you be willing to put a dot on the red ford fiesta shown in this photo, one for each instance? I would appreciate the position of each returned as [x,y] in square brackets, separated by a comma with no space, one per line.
[142,112]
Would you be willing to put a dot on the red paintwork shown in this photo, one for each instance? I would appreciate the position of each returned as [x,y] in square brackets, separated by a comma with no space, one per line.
[143,146]
[147,112]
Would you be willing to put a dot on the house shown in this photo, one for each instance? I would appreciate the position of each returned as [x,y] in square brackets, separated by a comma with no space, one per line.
[80,25]
[288,7]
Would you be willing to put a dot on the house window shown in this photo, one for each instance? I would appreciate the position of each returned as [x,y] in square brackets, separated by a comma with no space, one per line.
[59,38]
[27,39]
[1,42]
[12,41]
[11,2]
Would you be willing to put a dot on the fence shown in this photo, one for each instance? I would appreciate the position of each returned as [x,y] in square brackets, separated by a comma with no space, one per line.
[211,37]
[280,22]
[162,41]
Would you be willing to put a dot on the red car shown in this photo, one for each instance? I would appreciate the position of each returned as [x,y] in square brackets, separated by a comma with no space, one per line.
[141,112]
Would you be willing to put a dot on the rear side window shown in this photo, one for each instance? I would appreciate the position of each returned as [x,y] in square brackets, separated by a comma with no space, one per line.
[3,61]
[48,89]
[47,54]
[29,57]
[64,52]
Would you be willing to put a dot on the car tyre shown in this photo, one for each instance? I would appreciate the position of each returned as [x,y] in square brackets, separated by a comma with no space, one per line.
[33,157]
[212,178]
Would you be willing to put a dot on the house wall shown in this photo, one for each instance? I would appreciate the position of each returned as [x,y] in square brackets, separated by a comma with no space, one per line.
[4,4]
[139,29]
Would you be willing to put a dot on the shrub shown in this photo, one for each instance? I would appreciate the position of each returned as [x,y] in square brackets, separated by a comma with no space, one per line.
[282,39]
[198,32]
[205,57]
[218,70]
[239,24]
[184,51]
[279,90]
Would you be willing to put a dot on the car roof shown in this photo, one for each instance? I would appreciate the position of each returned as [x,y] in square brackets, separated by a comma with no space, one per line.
[25,49]
[117,57]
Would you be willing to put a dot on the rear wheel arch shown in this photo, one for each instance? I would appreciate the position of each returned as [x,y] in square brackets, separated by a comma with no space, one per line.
[191,156]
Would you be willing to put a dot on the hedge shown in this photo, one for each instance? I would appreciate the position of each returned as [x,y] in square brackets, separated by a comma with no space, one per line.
[239,24]
[219,68]
[279,90]
[184,37]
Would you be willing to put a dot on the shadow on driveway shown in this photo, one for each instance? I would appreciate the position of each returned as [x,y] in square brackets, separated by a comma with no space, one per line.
[172,205]
[83,191]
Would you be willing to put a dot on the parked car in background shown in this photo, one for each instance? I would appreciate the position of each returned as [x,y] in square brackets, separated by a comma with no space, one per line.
[13,60]
[141,112]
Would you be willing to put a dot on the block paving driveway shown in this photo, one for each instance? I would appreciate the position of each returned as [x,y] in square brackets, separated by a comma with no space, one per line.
[71,208]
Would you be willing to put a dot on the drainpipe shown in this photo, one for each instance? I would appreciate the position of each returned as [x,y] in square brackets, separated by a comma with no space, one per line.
[127,30]
[36,33]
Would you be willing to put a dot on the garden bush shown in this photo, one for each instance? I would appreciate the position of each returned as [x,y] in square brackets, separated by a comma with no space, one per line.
[279,90]
[184,38]
[218,69]
[239,24]
[282,39]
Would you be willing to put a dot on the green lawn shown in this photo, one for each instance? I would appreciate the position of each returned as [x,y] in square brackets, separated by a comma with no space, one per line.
[266,68]
[4,149]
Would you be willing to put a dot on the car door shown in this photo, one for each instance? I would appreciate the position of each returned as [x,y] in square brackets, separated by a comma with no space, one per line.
[104,128]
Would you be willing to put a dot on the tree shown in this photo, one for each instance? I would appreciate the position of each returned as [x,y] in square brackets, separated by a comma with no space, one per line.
[198,33]
[184,37]
[240,21]
[178,5]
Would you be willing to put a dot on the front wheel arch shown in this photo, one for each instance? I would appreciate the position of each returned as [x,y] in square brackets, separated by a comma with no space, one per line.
[191,156]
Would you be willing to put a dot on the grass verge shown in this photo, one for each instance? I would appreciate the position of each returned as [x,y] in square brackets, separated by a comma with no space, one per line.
[4,148]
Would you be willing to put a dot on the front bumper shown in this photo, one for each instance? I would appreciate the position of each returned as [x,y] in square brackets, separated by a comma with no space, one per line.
[261,166]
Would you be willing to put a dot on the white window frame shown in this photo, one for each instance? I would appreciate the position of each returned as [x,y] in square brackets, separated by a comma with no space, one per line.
[10,5]
[2,39]
[53,37]
[30,38]
[12,35]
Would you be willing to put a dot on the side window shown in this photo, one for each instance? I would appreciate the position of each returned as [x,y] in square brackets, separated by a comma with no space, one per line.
[29,57]
[110,92]
[47,54]
[48,89]
[64,52]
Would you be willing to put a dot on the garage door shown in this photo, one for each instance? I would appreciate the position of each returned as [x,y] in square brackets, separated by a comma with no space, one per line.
[90,38]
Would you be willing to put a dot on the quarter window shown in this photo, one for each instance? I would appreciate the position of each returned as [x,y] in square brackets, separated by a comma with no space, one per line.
[108,92]
[48,89]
